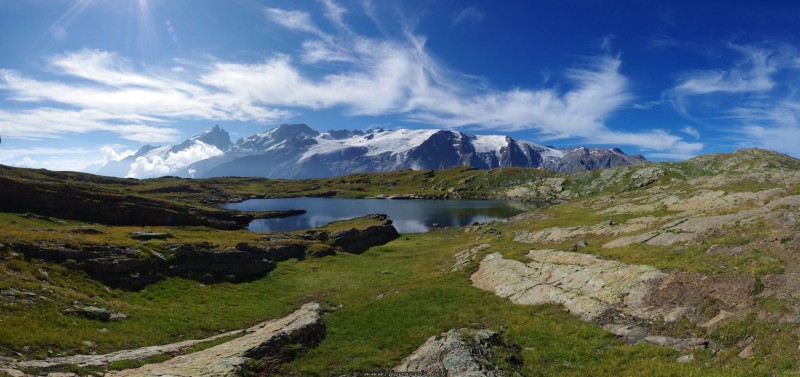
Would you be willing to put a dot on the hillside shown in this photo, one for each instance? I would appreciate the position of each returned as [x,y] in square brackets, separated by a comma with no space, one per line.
[654,269]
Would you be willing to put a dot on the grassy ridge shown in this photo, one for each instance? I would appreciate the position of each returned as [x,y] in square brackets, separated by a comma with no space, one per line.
[384,303]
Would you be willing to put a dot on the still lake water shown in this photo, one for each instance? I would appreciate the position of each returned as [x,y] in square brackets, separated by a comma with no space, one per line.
[409,216]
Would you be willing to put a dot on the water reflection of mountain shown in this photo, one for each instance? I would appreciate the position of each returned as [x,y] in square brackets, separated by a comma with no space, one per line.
[410,216]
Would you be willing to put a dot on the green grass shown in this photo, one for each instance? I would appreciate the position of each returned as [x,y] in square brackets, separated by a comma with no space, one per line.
[383,304]
[365,332]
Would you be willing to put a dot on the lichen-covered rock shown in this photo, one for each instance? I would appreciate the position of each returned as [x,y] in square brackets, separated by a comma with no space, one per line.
[563,234]
[691,228]
[586,285]
[106,359]
[462,352]
[617,295]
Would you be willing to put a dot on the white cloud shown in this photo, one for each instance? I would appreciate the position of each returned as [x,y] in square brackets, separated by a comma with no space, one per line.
[646,105]
[334,12]
[101,91]
[471,15]
[293,20]
[659,142]
[770,126]
[691,131]
[73,159]
[110,152]
[320,51]
[753,73]
[599,90]
[780,138]
[173,162]
[754,99]
[28,162]
[48,123]
[606,42]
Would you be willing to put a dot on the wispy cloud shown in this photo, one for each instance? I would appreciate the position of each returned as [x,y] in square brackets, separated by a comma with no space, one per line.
[48,123]
[753,101]
[752,74]
[103,93]
[293,20]
[606,43]
[773,126]
[335,14]
[471,15]
[691,131]
[62,158]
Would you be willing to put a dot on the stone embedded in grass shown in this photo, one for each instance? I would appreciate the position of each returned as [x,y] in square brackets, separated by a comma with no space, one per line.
[86,230]
[93,312]
[464,257]
[144,235]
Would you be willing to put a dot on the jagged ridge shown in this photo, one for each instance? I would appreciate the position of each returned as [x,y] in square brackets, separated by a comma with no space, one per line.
[298,151]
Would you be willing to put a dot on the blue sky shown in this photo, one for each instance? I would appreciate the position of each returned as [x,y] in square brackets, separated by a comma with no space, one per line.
[83,82]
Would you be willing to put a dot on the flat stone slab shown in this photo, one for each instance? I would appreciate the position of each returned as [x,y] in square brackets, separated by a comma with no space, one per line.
[233,358]
[144,236]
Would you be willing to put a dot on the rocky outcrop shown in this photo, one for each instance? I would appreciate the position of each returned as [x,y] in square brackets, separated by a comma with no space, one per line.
[275,253]
[116,266]
[562,234]
[133,268]
[355,240]
[586,285]
[261,350]
[621,297]
[105,359]
[204,263]
[462,352]
[688,229]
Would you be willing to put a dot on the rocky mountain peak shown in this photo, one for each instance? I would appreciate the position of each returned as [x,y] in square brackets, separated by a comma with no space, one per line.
[286,131]
[214,136]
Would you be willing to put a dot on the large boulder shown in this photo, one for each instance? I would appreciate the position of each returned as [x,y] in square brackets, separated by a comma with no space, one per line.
[462,352]
[356,240]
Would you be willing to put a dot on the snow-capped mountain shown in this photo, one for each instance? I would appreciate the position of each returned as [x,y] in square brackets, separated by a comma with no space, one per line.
[298,151]
[151,161]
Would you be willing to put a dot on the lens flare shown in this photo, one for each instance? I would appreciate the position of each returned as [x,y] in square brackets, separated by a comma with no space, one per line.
[171,30]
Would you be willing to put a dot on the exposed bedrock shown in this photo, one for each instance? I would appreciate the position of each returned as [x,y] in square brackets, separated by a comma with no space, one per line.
[621,297]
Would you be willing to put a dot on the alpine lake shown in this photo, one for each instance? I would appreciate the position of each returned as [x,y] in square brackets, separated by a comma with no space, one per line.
[408,215]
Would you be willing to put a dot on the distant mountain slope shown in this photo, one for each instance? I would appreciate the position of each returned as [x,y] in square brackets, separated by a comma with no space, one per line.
[298,151]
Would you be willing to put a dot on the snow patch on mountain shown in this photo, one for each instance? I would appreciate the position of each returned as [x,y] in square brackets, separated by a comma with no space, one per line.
[376,142]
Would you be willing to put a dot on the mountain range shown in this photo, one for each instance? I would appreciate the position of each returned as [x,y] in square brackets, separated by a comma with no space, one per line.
[298,151]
